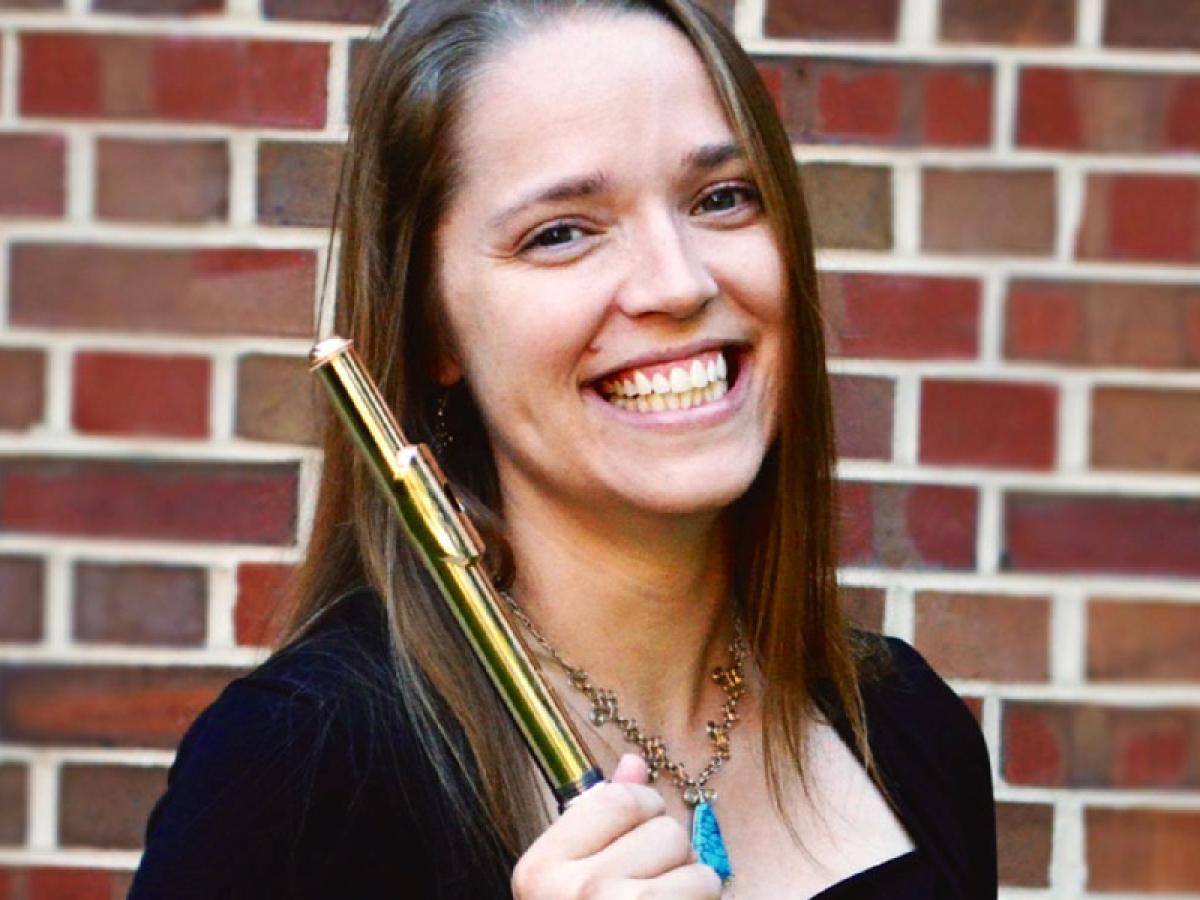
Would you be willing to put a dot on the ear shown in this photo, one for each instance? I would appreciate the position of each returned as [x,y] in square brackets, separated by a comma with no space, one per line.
[447,371]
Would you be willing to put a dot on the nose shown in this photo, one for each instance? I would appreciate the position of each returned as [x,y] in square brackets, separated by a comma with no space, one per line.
[666,273]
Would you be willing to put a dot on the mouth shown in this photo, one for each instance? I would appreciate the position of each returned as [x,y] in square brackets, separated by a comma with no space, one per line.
[687,382]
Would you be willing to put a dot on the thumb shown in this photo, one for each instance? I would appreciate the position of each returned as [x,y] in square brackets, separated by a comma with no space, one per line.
[631,770]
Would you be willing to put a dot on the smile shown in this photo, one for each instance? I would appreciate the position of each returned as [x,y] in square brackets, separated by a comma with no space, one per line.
[685,383]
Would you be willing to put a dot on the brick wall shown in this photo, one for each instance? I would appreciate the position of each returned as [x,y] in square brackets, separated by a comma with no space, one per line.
[1007,197]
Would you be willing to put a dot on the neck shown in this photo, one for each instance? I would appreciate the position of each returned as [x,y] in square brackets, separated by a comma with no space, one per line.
[640,602]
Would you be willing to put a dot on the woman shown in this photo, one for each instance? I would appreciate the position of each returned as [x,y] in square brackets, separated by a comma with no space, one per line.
[575,255]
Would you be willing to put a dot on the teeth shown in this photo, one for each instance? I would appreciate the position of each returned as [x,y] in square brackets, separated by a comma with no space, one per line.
[680,380]
[711,371]
[683,387]
[630,388]
[658,402]
[722,370]
[699,374]
[644,386]
[661,385]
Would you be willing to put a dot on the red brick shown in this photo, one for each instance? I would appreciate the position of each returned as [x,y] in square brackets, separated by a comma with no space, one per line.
[32,175]
[1127,535]
[901,316]
[1152,24]
[1103,323]
[958,107]
[960,212]
[1090,745]
[150,500]
[863,606]
[863,412]
[105,706]
[21,586]
[850,206]
[140,604]
[191,291]
[1146,429]
[159,7]
[367,12]
[1143,850]
[141,394]
[222,80]
[363,53]
[907,526]
[276,400]
[902,104]
[980,423]
[1107,111]
[1142,640]
[14,788]
[984,636]
[1141,218]
[297,182]
[162,181]
[23,374]
[867,20]
[1022,22]
[261,595]
[107,806]
[1025,835]
[46,883]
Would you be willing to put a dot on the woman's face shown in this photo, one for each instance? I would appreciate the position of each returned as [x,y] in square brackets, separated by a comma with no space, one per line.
[613,289]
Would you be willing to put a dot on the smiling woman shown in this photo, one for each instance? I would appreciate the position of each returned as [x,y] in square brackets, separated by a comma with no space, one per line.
[576,256]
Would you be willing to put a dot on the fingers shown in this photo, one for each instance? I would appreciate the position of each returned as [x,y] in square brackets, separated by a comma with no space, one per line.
[654,847]
[631,770]
[695,882]
[598,818]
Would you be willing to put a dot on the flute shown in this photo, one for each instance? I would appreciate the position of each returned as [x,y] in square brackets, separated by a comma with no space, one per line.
[452,551]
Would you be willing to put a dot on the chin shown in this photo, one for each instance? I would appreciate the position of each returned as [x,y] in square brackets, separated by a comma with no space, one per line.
[706,489]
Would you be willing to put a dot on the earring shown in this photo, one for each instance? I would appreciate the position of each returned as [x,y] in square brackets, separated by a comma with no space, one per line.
[442,438]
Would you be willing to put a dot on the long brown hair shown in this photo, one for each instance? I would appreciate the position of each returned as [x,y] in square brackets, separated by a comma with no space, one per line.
[399,171]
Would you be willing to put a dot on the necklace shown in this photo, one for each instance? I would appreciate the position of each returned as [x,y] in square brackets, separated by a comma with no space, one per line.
[706,832]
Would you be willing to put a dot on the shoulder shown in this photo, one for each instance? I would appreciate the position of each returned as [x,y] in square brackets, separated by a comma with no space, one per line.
[270,777]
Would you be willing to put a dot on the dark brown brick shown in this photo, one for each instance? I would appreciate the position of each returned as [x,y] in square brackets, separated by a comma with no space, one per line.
[984,636]
[162,181]
[1101,323]
[922,526]
[104,706]
[1025,835]
[1143,640]
[863,607]
[32,175]
[151,500]
[850,206]
[960,212]
[21,586]
[865,20]
[159,7]
[262,590]
[1022,22]
[1125,534]
[1143,851]
[297,182]
[23,374]
[1152,24]
[863,411]
[1101,746]
[366,12]
[1002,424]
[1146,429]
[106,806]
[110,397]
[140,604]
[190,291]
[14,789]
[276,400]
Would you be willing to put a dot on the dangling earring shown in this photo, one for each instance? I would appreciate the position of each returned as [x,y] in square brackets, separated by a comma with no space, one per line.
[442,438]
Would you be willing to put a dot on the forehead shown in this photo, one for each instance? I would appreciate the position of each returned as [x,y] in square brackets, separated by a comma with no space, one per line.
[598,91]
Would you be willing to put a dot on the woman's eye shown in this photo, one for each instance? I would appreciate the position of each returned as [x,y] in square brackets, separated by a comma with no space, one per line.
[726,199]
[554,236]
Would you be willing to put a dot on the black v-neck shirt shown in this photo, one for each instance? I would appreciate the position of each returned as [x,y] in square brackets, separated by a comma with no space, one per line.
[291,784]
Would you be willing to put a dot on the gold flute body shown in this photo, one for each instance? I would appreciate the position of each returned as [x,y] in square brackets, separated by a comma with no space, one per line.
[452,551]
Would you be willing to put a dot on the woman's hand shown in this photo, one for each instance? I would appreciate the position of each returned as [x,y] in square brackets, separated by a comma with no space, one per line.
[615,842]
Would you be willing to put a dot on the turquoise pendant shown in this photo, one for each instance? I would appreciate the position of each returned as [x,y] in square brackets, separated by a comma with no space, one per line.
[707,840]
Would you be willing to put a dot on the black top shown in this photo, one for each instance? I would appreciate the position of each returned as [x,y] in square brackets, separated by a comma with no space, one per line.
[287,786]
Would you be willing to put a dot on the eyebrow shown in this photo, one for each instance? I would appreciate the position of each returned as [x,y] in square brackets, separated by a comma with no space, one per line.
[702,159]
